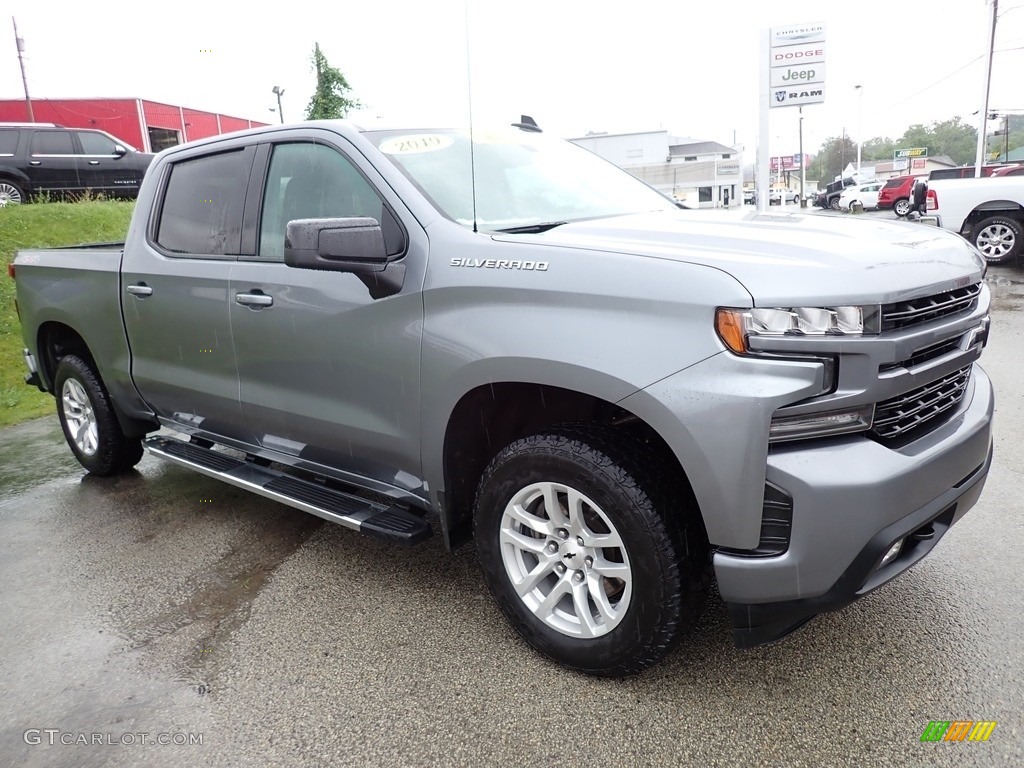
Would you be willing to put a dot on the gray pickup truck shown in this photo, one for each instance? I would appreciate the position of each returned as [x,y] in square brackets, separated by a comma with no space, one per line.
[510,340]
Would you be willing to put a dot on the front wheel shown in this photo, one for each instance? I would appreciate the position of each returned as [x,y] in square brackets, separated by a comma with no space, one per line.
[834,204]
[578,549]
[999,238]
[902,207]
[88,420]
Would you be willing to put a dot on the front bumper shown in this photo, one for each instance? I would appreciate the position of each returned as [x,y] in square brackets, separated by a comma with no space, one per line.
[852,500]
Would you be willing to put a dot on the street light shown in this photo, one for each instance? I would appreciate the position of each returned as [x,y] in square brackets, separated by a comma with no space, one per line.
[279,92]
[860,126]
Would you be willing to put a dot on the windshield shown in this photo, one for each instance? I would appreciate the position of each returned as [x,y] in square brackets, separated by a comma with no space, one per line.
[523,179]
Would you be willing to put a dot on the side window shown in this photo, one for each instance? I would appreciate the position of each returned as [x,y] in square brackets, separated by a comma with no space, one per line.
[95,143]
[8,143]
[311,181]
[52,143]
[202,207]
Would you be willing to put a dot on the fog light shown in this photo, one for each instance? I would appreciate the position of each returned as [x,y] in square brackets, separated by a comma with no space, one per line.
[891,555]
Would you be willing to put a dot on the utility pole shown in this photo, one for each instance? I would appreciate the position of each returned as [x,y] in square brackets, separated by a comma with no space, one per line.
[983,115]
[860,127]
[20,45]
[279,91]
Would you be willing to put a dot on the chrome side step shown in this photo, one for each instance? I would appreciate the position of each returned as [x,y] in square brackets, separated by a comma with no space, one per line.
[393,523]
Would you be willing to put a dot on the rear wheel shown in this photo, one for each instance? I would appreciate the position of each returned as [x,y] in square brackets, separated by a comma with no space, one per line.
[901,207]
[999,238]
[834,204]
[578,548]
[10,193]
[88,420]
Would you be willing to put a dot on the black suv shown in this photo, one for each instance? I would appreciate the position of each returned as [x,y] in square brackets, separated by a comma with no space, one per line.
[43,158]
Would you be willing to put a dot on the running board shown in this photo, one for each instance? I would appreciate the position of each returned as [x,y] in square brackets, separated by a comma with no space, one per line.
[392,523]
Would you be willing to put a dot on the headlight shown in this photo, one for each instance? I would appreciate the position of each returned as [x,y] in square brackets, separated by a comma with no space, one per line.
[734,326]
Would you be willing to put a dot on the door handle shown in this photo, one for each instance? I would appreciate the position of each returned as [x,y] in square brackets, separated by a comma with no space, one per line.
[254,299]
[94,162]
[35,162]
[140,289]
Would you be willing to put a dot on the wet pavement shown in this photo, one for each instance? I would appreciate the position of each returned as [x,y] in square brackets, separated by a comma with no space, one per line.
[164,602]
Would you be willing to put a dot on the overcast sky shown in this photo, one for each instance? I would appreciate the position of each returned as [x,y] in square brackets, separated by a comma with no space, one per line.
[689,66]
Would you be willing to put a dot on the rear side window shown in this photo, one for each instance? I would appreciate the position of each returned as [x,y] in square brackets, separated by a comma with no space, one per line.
[52,143]
[8,143]
[892,183]
[202,207]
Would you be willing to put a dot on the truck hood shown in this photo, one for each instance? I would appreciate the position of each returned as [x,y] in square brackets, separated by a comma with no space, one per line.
[782,259]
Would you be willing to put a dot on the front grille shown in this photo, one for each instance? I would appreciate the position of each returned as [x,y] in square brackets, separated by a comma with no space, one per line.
[898,416]
[903,314]
[924,354]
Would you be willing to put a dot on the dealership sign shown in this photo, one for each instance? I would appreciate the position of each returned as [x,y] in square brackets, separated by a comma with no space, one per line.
[796,60]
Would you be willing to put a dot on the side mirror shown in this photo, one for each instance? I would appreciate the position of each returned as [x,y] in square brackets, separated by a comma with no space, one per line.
[344,245]
[354,245]
[120,150]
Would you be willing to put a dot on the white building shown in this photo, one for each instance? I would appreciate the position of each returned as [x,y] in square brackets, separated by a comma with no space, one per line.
[703,174]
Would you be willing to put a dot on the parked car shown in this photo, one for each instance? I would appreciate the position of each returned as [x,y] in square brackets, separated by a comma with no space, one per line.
[829,197]
[988,212]
[895,194]
[780,195]
[1009,170]
[865,194]
[333,318]
[966,172]
[48,159]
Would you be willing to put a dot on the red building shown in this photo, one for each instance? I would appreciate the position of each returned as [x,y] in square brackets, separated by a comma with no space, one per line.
[147,125]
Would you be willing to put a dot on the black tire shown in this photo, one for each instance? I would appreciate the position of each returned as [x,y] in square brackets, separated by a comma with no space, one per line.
[665,557]
[11,193]
[902,207]
[999,238]
[834,204]
[81,395]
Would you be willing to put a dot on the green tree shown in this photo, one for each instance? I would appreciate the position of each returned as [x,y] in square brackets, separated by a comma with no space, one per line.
[954,138]
[832,157]
[878,149]
[330,99]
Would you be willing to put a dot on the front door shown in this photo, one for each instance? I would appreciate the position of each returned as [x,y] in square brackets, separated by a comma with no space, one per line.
[175,290]
[104,170]
[328,374]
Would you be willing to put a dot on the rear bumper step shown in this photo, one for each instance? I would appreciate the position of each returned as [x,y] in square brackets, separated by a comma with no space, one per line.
[393,523]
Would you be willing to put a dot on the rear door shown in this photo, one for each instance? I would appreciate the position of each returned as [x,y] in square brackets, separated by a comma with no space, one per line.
[53,163]
[176,294]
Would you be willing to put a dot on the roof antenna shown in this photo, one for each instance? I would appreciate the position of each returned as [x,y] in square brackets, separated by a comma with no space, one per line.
[469,98]
[527,123]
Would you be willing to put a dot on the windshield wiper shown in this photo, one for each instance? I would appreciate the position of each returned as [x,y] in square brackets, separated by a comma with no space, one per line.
[532,229]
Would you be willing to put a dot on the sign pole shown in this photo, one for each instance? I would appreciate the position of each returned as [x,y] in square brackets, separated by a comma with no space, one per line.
[761,188]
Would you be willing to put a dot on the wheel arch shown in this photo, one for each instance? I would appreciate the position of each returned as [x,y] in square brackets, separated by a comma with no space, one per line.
[55,340]
[490,416]
[1007,208]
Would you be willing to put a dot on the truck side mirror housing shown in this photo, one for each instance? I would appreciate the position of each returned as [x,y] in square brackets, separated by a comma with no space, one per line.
[355,245]
[335,244]
[120,150]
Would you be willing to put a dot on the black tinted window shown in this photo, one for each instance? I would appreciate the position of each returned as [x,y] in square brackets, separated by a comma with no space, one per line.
[202,210]
[95,143]
[8,142]
[52,143]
